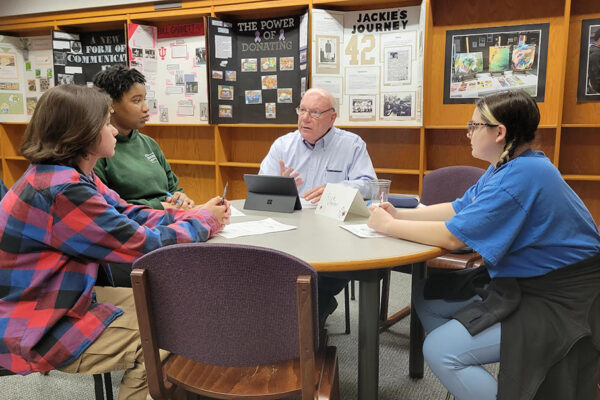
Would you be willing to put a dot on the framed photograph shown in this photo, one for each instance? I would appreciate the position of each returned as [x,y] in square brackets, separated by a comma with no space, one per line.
[286,63]
[588,87]
[225,111]
[362,108]
[200,57]
[269,81]
[249,65]
[8,66]
[203,114]
[482,61]
[397,65]
[253,96]
[231,76]
[328,54]
[270,110]
[284,95]
[217,74]
[225,92]
[397,106]
[268,64]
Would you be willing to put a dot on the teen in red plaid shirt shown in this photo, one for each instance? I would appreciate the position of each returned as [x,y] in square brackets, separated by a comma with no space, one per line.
[57,224]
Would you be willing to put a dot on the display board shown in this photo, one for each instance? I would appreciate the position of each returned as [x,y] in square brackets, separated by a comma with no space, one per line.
[371,62]
[486,60]
[25,73]
[258,69]
[79,56]
[173,59]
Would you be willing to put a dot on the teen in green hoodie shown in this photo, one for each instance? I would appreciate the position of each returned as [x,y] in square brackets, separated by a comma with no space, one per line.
[139,171]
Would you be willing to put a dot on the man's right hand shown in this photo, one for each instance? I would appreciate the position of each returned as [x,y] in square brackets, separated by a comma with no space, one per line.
[285,171]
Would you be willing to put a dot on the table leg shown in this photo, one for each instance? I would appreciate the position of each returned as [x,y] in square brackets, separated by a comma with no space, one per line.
[368,336]
[417,333]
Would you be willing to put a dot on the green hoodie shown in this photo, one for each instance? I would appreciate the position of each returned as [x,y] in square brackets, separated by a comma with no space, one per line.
[138,171]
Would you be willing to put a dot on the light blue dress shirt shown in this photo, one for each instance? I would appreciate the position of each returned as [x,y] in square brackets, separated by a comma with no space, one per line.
[338,157]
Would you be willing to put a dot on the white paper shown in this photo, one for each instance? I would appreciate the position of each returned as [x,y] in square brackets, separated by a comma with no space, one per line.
[143,37]
[362,80]
[362,230]
[73,70]
[333,84]
[185,110]
[302,42]
[179,51]
[174,90]
[65,35]
[235,212]
[61,45]
[223,46]
[267,225]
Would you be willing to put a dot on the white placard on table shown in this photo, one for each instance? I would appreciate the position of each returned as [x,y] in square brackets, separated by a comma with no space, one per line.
[337,201]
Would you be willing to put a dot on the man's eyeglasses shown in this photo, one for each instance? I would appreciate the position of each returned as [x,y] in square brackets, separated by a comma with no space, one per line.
[472,126]
[313,113]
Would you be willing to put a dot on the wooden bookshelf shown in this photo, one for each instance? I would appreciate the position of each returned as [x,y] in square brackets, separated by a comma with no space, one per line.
[205,157]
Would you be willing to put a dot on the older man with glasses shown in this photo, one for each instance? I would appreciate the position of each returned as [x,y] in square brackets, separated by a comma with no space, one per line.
[315,154]
[318,153]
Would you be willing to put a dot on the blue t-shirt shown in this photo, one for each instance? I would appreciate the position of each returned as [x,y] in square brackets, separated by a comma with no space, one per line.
[524,219]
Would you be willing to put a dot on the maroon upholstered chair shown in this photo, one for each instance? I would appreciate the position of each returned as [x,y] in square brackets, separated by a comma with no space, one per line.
[439,186]
[239,322]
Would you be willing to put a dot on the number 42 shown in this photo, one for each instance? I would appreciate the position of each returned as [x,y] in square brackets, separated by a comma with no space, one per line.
[352,50]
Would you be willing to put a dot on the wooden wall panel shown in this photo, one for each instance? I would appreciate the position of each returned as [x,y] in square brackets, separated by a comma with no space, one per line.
[249,144]
[184,142]
[391,147]
[579,151]
[198,181]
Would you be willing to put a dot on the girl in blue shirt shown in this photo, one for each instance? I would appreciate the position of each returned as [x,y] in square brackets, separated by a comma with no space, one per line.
[526,222]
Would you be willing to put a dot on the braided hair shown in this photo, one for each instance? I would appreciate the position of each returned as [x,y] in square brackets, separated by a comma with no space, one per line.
[518,112]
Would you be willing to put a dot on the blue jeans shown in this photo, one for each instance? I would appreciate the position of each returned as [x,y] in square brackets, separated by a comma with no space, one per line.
[453,355]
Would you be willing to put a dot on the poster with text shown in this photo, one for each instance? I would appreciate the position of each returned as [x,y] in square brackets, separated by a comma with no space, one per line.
[371,62]
[26,72]
[257,69]
[79,56]
[174,61]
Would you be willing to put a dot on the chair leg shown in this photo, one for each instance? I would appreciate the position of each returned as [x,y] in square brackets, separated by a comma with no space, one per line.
[352,294]
[347,308]
[384,321]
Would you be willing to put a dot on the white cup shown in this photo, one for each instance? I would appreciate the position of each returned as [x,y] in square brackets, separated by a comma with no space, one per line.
[380,189]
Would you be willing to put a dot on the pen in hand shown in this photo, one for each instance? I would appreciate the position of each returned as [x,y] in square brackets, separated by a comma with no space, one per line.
[224,194]
[170,195]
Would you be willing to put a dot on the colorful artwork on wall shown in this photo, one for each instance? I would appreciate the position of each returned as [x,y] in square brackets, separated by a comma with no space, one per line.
[482,61]
[499,58]
[468,63]
[523,57]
